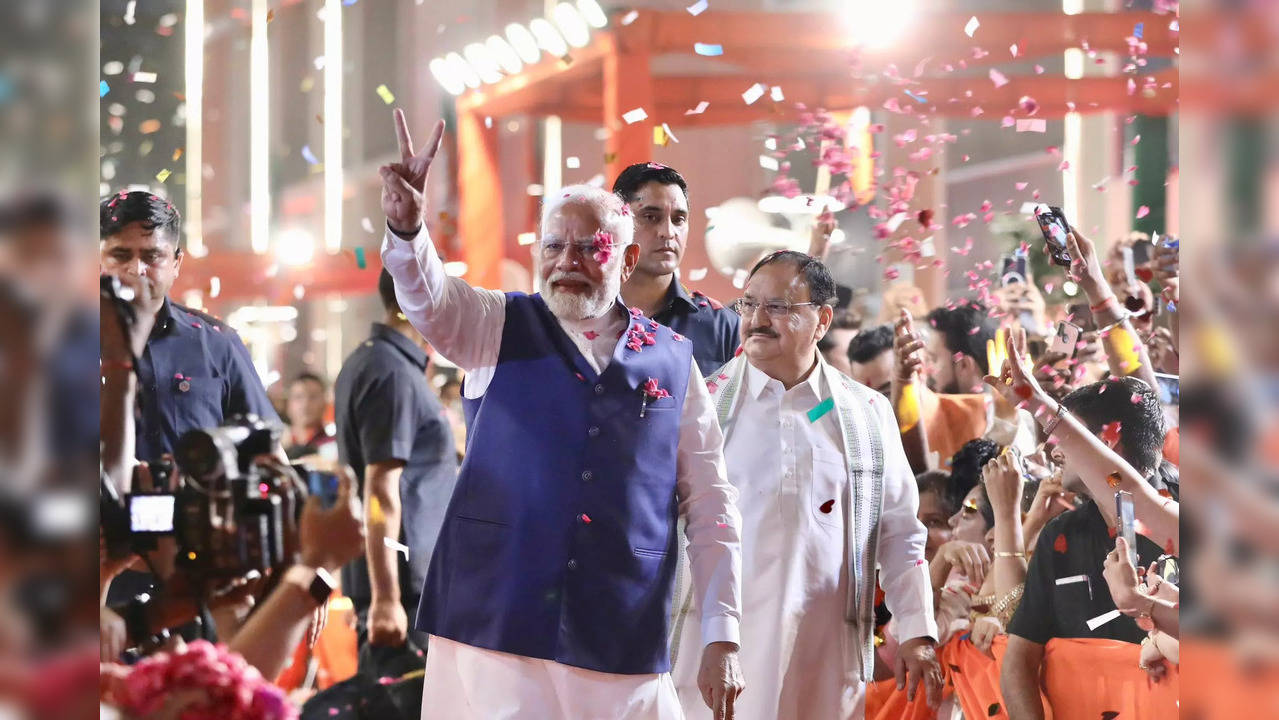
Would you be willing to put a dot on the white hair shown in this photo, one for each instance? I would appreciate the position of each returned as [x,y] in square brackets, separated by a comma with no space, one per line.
[613,214]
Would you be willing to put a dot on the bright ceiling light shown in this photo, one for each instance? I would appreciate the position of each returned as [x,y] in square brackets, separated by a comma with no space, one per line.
[505,55]
[572,25]
[460,69]
[875,24]
[445,76]
[294,247]
[483,61]
[548,38]
[523,42]
[592,13]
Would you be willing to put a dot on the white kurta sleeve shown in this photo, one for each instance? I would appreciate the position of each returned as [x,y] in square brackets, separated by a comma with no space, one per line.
[903,571]
[713,523]
[462,322]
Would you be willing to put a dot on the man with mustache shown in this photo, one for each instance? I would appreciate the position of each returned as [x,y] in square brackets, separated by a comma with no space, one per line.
[549,591]
[827,496]
[658,199]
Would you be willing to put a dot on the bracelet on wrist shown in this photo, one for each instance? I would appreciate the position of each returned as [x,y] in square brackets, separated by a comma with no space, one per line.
[1009,554]
[1051,427]
[1109,301]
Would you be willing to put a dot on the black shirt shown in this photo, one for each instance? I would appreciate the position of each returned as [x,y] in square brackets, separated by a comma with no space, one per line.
[712,328]
[386,410]
[1074,544]
[194,373]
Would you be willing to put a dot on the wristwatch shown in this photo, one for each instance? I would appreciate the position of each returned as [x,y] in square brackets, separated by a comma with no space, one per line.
[316,582]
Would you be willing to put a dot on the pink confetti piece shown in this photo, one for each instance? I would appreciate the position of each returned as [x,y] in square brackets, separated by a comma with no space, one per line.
[1039,69]
[999,79]
[1037,125]
[1021,185]
[1142,212]
[1135,399]
[701,108]
[1008,121]
[1064,166]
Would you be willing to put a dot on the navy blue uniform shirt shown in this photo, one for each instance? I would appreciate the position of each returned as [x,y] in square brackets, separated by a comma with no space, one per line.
[195,373]
[712,328]
[386,410]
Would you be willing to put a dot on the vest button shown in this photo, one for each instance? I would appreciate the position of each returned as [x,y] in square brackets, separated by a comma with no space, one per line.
[572,564]
[594,431]
[588,476]
[599,389]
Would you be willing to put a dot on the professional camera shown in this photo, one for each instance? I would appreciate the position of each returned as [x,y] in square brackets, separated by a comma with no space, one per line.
[228,513]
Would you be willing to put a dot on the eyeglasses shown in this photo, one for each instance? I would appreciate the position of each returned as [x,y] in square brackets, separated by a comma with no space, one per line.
[776,308]
[551,250]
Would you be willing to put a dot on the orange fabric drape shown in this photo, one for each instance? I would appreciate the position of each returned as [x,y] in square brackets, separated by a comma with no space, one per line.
[1085,679]
[885,702]
[975,677]
[335,650]
[1227,686]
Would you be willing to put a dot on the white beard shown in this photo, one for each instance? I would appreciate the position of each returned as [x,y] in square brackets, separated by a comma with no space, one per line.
[574,307]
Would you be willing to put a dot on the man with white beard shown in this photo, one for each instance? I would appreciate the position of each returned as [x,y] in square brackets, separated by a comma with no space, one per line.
[591,431]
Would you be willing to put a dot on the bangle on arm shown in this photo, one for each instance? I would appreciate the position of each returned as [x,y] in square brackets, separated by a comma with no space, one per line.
[1051,427]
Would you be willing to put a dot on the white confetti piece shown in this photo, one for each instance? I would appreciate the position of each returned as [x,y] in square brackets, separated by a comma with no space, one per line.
[753,93]
[366,225]
[698,7]
[708,49]
[526,238]
[1012,49]
[572,162]
[768,163]
[397,546]
[776,94]
[634,116]
[143,77]
[1102,619]
[129,9]
[629,17]
[971,27]
[998,78]
[896,221]
[667,129]
[697,274]
[701,108]
[927,247]
[308,155]
[1032,125]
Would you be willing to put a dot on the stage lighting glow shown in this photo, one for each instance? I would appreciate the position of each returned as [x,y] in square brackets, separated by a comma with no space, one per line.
[483,62]
[461,69]
[592,13]
[445,76]
[505,55]
[572,25]
[294,247]
[524,43]
[548,38]
[876,24]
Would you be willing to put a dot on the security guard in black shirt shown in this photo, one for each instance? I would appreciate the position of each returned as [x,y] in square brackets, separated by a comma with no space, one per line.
[195,372]
[657,196]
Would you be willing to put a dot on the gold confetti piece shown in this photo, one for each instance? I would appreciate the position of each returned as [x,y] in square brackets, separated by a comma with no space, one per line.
[177,154]
[1125,346]
[308,82]
[270,15]
[609,157]
[149,126]
[659,136]
[386,94]
[376,516]
[163,175]
[319,118]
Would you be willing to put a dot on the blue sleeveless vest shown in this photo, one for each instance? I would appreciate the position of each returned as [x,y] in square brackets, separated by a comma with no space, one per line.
[560,539]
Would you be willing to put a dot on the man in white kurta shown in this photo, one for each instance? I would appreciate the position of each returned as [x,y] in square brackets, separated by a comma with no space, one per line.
[818,463]
[585,255]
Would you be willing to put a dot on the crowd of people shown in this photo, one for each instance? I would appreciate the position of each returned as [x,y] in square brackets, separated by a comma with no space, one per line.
[664,506]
